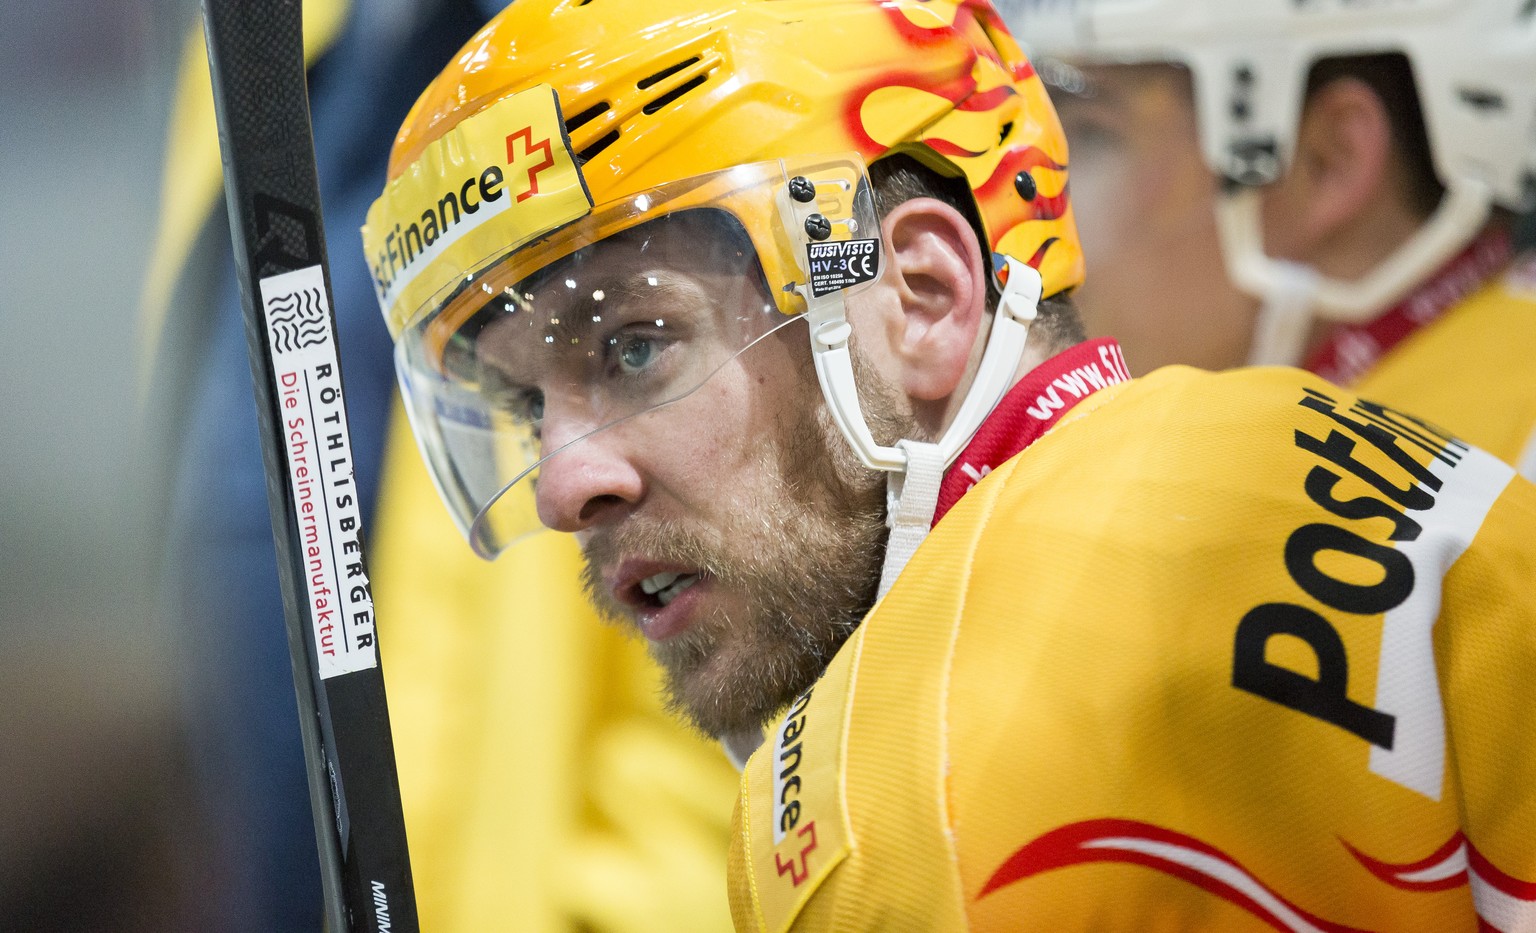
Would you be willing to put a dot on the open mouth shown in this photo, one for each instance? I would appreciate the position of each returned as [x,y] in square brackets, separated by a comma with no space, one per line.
[661,588]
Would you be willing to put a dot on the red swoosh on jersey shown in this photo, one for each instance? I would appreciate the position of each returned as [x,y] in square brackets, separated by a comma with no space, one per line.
[1489,873]
[1173,853]
[1503,901]
[1445,868]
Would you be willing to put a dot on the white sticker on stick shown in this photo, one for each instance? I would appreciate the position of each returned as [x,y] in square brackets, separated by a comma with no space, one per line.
[319,458]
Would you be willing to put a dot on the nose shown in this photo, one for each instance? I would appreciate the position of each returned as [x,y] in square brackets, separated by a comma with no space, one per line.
[589,482]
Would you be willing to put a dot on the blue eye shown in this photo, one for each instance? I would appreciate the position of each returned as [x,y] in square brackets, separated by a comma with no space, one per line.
[633,353]
[526,406]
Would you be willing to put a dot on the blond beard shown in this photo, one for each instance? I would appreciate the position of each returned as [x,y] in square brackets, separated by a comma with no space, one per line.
[807,559]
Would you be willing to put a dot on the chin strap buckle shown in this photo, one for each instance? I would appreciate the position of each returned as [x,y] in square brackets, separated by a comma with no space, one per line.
[911,498]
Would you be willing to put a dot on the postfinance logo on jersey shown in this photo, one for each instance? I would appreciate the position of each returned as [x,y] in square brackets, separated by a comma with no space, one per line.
[1433,493]
[493,183]
[796,827]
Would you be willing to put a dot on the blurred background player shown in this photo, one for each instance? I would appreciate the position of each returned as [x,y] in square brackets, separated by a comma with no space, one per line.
[1328,184]
[544,788]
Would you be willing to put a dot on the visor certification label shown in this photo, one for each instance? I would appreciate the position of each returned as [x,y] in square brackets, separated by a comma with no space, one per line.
[318,452]
[840,264]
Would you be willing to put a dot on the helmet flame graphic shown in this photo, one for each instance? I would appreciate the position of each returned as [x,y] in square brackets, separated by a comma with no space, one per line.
[988,115]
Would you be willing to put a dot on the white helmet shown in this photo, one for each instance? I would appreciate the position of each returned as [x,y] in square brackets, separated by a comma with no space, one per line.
[1474,67]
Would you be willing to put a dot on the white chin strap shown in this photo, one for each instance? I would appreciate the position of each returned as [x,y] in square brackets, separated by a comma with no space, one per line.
[1293,295]
[916,468]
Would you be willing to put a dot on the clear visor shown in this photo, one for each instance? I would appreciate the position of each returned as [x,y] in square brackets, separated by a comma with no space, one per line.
[628,310]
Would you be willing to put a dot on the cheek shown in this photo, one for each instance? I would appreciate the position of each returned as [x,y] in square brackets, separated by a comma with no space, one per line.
[1105,200]
[1156,278]
[1124,214]
[705,450]
[718,452]
[1142,203]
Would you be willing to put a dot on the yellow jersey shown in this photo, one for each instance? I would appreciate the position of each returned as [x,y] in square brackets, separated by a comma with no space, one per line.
[1230,652]
[1471,369]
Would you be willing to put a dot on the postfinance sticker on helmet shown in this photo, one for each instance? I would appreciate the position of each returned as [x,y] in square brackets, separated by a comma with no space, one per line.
[493,183]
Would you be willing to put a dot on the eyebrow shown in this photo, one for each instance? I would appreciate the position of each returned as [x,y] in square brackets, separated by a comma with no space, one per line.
[576,322]
[636,288]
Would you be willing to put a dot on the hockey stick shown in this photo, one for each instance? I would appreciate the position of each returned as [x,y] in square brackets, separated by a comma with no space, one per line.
[256,54]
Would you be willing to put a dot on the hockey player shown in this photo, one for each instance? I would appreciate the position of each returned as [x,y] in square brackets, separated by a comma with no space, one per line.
[747,297]
[1319,184]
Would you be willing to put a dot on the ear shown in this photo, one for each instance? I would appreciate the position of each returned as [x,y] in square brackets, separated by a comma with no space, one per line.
[935,269]
[1340,173]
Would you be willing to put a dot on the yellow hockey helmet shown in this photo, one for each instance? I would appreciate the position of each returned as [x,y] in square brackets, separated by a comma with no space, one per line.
[566,122]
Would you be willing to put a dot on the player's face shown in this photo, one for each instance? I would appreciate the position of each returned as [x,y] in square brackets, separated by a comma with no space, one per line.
[732,528]
[1144,201]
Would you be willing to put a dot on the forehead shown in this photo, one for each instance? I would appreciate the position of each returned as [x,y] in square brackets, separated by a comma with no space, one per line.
[702,246]
[694,269]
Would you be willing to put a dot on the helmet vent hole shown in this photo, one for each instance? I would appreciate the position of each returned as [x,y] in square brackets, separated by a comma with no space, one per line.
[572,124]
[665,73]
[672,95]
[603,142]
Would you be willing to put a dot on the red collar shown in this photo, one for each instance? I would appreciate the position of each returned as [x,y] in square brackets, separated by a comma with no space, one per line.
[1354,349]
[1029,409]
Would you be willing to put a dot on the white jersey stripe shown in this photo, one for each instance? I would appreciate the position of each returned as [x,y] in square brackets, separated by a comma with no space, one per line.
[1504,912]
[1527,462]
[1407,685]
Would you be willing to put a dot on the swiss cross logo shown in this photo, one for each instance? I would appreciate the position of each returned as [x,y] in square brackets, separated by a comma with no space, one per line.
[796,866]
[528,148]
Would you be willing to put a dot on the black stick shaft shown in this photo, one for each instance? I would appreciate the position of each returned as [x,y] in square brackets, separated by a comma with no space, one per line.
[255,49]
